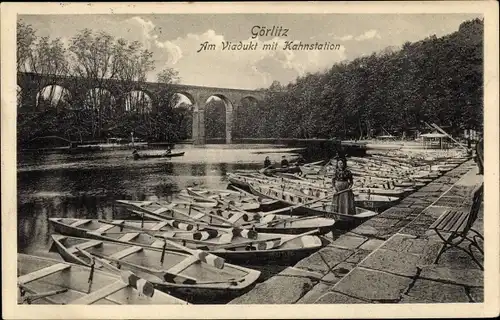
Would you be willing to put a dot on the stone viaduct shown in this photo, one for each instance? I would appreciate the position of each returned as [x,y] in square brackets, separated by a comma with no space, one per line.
[31,84]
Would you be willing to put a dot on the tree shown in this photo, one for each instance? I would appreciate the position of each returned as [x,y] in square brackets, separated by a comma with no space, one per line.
[25,40]
[436,79]
[168,76]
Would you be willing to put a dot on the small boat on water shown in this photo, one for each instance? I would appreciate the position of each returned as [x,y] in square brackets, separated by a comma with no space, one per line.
[138,156]
[318,208]
[234,245]
[192,277]
[277,221]
[48,281]
[291,169]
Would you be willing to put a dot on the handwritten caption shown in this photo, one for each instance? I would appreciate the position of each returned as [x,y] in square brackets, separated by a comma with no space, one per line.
[262,31]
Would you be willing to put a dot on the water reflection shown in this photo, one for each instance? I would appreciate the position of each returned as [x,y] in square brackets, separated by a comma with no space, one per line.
[85,185]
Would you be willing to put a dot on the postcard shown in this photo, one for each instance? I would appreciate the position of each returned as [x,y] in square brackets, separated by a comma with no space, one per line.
[250,160]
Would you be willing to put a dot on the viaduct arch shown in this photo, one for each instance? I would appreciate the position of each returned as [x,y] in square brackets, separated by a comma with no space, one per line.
[30,84]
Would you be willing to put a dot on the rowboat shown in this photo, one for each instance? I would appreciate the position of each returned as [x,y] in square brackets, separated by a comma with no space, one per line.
[48,281]
[236,198]
[268,222]
[155,156]
[291,169]
[374,201]
[234,245]
[184,199]
[369,201]
[320,208]
[399,192]
[364,200]
[192,277]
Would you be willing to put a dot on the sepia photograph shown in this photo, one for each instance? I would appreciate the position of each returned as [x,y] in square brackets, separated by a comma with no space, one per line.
[213,160]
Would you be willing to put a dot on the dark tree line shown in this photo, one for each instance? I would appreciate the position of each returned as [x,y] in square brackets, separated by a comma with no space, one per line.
[436,80]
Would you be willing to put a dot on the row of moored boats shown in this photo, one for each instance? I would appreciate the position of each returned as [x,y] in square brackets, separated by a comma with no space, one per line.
[198,246]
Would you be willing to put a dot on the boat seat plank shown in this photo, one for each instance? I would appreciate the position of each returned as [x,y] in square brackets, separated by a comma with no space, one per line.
[122,254]
[183,264]
[198,216]
[101,293]
[85,245]
[235,218]
[161,210]
[24,279]
[128,236]
[158,243]
[104,228]
[159,225]
[80,222]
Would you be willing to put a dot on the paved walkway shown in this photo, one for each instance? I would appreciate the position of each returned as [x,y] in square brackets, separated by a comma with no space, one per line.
[388,258]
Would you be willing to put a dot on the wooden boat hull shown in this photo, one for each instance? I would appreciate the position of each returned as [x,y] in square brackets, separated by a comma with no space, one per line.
[146,260]
[320,209]
[226,196]
[399,193]
[285,170]
[156,156]
[287,227]
[299,247]
[74,278]
[376,202]
[272,257]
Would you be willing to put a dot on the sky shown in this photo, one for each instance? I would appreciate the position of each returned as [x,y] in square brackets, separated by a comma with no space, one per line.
[175,39]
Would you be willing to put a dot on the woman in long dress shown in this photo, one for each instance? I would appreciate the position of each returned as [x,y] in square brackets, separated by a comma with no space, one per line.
[342,180]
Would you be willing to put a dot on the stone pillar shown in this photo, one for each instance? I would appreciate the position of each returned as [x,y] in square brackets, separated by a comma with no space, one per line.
[229,124]
[195,126]
[201,126]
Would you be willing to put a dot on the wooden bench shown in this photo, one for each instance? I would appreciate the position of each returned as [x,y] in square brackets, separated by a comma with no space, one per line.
[453,228]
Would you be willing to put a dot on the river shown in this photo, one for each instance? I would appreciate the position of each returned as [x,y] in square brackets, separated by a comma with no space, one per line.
[86,185]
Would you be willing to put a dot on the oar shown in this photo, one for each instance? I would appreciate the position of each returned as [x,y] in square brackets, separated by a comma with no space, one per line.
[248,194]
[35,296]
[246,243]
[164,275]
[171,223]
[204,256]
[282,242]
[267,244]
[286,220]
[215,216]
[236,231]
[142,285]
[305,203]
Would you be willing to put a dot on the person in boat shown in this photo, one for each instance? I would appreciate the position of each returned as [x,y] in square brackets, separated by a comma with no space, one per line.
[267,162]
[169,150]
[284,162]
[135,154]
[342,180]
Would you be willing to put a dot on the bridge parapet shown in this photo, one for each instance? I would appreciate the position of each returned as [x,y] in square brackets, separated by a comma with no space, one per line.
[32,84]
